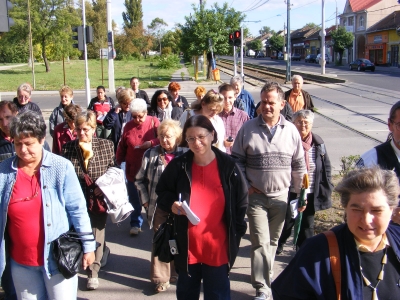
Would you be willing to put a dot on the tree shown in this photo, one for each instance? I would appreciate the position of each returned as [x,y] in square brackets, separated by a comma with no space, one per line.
[203,24]
[51,26]
[134,15]
[157,29]
[341,40]
[276,42]
[172,39]
[266,30]
[312,25]
[256,45]
[95,17]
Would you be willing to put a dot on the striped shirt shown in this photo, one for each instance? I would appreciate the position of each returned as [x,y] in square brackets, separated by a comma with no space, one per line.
[233,121]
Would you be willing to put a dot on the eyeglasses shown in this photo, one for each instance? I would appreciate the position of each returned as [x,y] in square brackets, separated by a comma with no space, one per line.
[85,130]
[168,137]
[136,117]
[162,99]
[201,138]
[23,97]
[305,123]
[13,201]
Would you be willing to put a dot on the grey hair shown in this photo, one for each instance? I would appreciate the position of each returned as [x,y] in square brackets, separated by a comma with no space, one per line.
[369,180]
[272,86]
[297,77]
[138,105]
[25,87]
[28,124]
[304,114]
[236,79]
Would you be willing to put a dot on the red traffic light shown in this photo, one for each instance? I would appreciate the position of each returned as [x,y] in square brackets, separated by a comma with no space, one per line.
[231,39]
[237,38]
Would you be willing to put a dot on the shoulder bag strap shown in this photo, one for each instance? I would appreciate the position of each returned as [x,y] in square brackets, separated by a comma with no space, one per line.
[334,257]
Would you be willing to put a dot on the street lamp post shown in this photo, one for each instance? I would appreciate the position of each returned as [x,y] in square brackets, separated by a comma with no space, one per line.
[322,60]
[288,49]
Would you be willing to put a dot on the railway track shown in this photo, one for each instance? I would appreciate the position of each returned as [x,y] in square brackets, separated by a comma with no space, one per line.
[366,99]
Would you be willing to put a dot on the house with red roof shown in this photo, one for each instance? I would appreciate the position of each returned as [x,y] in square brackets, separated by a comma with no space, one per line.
[358,16]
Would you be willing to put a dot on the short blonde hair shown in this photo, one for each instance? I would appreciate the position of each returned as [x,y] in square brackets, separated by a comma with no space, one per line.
[171,124]
[211,98]
[88,117]
[125,95]
[67,90]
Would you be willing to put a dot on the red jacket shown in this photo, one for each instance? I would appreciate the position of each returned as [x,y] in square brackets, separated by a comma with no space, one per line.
[135,135]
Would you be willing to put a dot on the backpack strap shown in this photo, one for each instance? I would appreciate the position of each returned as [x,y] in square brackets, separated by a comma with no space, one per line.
[334,257]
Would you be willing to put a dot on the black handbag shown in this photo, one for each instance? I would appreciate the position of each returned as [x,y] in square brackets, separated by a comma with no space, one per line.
[67,251]
[161,240]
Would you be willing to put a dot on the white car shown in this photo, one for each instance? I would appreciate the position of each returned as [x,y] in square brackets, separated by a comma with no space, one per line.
[318,58]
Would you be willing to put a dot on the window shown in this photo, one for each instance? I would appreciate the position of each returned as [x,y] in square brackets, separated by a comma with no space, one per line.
[344,22]
[361,22]
[351,21]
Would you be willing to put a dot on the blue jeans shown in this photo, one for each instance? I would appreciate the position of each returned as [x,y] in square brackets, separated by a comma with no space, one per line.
[7,282]
[216,285]
[32,283]
[136,215]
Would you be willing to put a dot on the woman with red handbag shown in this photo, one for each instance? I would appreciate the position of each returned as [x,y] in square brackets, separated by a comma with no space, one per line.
[91,157]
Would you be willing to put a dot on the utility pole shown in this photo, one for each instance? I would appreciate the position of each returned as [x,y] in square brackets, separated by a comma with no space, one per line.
[234,61]
[288,71]
[241,54]
[111,83]
[284,41]
[323,40]
[87,81]
[31,56]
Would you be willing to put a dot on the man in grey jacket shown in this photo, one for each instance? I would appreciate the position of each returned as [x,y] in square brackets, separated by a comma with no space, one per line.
[269,151]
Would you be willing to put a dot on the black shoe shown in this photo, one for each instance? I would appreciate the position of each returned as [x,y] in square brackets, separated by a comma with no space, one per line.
[279,249]
[261,296]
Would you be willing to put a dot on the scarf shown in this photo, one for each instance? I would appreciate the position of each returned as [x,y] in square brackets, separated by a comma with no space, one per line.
[164,114]
[87,152]
[307,146]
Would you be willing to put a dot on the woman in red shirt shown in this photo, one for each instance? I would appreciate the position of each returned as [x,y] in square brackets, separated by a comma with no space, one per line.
[216,191]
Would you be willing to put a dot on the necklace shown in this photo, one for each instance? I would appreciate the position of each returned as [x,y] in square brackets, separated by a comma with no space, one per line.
[380,276]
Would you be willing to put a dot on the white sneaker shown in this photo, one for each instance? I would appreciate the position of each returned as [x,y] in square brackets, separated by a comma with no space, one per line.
[92,283]
[134,231]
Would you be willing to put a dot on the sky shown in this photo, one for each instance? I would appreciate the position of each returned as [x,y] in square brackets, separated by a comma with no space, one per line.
[302,12]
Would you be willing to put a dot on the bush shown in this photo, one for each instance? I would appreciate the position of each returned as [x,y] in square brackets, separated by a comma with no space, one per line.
[168,61]
[348,163]
[166,50]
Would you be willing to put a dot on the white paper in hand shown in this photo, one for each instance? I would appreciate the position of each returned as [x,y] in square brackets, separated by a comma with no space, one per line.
[190,214]
[293,207]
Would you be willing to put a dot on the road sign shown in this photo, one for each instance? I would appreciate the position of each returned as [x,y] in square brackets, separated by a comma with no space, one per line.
[103,53]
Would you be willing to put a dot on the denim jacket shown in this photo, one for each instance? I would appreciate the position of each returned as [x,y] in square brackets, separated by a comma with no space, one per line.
[62,200]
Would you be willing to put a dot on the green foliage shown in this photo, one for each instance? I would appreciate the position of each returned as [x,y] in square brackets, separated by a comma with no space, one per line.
[341,40]
[134,15]
[157,30]
[276,42]
[172,40]
[348,163]
[95,16]
[256,45]
[265,30]
[313,25]
[215,23]
[166,51]
[168,61]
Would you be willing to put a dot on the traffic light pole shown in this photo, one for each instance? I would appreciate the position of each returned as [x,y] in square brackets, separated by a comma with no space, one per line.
[234,61]
[288,50]
[111,81]
[87,81]
[241,54]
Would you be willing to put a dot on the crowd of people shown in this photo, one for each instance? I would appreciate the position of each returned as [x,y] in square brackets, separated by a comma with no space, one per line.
[219,158]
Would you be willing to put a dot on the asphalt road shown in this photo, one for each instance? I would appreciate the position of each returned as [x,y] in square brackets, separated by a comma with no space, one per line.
[383,77]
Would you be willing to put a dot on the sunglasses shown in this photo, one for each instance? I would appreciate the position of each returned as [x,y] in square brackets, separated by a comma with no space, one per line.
[162,99]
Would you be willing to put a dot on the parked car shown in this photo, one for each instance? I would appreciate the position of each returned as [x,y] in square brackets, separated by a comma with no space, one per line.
[280,55]
[318,58]
[260,54]
[310,58]
[362,64]
[296,56]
